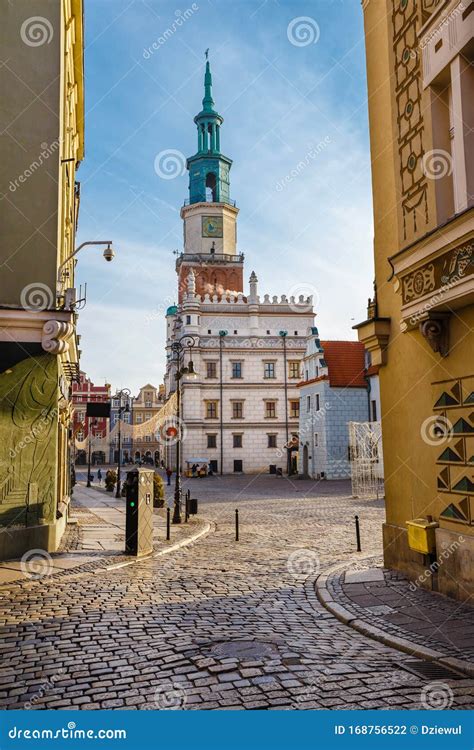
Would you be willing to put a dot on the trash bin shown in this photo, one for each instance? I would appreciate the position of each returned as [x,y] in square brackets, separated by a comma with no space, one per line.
[273,469]
[193,506]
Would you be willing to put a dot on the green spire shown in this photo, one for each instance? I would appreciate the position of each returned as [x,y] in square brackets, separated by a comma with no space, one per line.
[208,101]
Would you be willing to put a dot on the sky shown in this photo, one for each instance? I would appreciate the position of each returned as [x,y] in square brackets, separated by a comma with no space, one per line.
[289,80]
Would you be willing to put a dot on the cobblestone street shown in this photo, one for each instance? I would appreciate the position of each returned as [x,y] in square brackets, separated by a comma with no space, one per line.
[218,624]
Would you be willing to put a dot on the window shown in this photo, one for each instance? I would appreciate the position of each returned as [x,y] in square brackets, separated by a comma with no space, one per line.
[212,441]
[272,441]
[80,436]
[235,332]
[296,333]
[238,465]
[211,369]
[294,409]
[315,438]
[237,409]
[316,404]
[373,408]
[208,330]
[306,374]
[270,409]
[188,320]
[148,404]
[211,409]
[147,438]
[236,369]
[308,403]
[115,402]
[293,369]
[237,441]
[268,370]
[139,418]
[316,371]
[147,416]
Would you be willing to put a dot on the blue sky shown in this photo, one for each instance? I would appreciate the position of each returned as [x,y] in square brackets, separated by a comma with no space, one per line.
[292,92]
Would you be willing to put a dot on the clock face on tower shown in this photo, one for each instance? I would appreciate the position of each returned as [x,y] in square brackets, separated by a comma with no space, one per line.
[212,226]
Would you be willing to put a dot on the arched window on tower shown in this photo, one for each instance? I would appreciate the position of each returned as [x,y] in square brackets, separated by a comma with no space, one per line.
[211,187]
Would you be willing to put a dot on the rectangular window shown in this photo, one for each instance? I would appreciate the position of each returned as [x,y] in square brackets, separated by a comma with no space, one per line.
[238,465]
[272,441]
[211,369]
[237,409]
[315,438]
[294,409]
[316,405]
[147,416]
[293,369]
[148,404]
[212,441]
[308,403]
[270,409]
[139,418]
[188,320]
[236,369]
[268,370]
[211,409]
[373,405]
[237,441]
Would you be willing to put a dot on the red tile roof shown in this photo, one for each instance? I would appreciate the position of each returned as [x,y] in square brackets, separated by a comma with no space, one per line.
[346,363]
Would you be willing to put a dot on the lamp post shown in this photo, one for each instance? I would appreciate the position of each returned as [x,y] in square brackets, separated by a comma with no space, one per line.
[89,435]
[222,334]
[178,348]
[121,409]
[283,335]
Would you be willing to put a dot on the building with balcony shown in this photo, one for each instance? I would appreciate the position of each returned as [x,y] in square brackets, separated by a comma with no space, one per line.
[93,429]
[241,411]
[419,328]
[42,144]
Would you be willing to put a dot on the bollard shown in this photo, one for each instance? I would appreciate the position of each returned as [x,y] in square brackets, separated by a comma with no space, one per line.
[186,506]
[357,534]
[236,525]
[168,523]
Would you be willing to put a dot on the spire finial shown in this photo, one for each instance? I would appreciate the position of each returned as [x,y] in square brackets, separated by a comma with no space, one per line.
[208,101]
[207,54]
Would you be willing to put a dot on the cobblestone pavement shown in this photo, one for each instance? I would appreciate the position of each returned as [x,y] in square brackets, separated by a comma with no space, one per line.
[407,611]
[221,624]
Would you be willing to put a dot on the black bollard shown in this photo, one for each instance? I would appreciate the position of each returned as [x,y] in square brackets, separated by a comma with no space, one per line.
[168,523]
[357,534]
[236,525]
[186,506]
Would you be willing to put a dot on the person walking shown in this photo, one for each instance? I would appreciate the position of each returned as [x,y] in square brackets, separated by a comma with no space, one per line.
[99,476]
[168,475]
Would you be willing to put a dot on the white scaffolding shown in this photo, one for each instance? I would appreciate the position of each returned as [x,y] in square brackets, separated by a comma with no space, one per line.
[365,441]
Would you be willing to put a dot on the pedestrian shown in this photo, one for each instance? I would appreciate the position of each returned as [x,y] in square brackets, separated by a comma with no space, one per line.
[99,476]
[168,475]
[193,470]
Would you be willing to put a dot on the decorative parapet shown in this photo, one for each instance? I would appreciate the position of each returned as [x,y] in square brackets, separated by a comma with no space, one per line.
[55,336]
[374,334]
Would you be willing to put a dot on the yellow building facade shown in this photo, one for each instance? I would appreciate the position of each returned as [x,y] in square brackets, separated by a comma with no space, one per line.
[42,144]
[420,324]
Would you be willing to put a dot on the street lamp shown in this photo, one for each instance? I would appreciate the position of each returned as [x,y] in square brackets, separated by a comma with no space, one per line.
[121,409]
[178,348]
[283,335]
[222,334]
[89,434]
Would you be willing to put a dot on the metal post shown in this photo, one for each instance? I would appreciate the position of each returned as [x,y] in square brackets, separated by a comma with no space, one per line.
[117,493]
[89,456]
[177,488]
[221,405]
[236,525]
[186,509]
[283,334]
[357,534]
[168,524]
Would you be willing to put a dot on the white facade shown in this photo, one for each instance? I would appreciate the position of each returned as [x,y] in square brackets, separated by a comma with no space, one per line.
[259,412]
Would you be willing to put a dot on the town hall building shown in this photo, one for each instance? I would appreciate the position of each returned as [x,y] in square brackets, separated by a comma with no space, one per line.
[241,408]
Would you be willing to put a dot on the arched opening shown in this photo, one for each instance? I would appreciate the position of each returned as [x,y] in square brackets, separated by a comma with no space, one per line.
[137,456]
[211,187]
